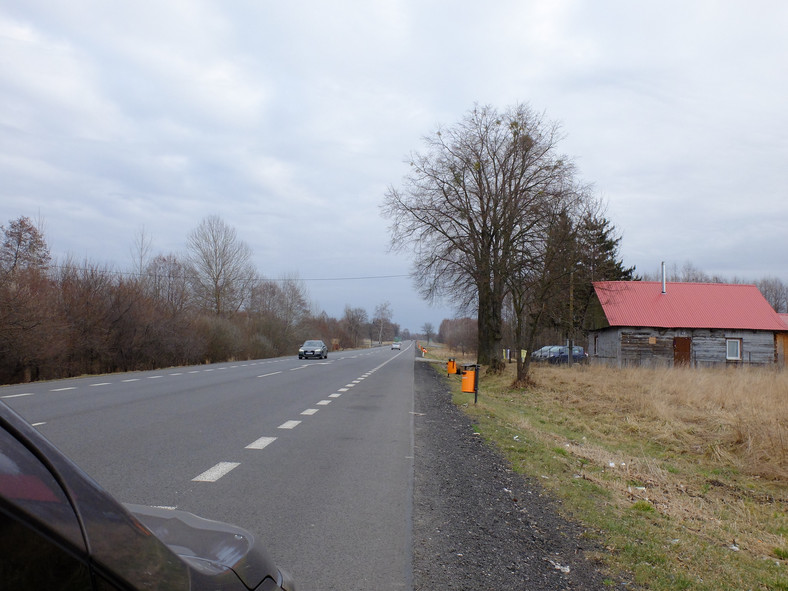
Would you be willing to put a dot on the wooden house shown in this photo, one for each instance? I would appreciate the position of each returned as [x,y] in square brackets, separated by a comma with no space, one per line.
[701,324]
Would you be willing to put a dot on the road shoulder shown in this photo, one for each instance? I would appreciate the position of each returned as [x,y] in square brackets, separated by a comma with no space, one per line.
[476,523]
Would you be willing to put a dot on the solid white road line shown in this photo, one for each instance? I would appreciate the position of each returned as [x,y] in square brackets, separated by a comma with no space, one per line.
[261,443]
[215,473]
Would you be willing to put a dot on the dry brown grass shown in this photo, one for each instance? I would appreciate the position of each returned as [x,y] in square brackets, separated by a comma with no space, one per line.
[723,433]
[706,448]
[736,417]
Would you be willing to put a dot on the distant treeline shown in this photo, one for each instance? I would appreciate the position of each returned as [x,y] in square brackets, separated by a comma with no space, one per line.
[69,319]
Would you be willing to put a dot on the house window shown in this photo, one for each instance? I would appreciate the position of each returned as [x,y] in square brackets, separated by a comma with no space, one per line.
[733,349]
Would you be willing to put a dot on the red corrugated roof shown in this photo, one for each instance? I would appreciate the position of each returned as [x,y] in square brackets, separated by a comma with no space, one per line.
[687,305]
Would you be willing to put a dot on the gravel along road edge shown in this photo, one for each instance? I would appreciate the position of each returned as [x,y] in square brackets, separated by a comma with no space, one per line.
[476,523]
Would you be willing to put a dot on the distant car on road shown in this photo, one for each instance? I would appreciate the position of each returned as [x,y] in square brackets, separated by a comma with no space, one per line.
[60,529]
[396,345]
[313,349]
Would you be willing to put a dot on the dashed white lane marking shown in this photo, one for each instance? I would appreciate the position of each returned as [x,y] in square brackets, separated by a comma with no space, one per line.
[261,443]
[335,395]
[349,385]
[310,411]
[342,389]
[265,375]
[17,395]
[63,389]
[215,473]
[177,373]
[194,371]
[154,377]
[38,424]
[324,402]
[131,380]
[290,424]
[101,384]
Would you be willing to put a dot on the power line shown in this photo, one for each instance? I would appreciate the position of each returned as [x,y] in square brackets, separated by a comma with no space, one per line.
[100,269]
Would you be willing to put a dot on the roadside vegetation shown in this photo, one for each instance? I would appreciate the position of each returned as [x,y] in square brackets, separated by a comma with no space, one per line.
[681,475]
[66,318]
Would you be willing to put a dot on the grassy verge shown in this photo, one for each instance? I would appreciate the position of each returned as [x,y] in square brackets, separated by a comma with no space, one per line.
[681,475]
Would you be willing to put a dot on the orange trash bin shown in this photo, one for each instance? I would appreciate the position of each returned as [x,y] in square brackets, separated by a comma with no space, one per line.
[451,366]
[469,378]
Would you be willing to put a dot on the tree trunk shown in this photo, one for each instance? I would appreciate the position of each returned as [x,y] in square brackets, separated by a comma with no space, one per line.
[490,337]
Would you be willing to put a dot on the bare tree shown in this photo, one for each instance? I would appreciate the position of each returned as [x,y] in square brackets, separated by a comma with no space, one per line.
[775,292]
[167,282]
[222,274]
[428,331]
[354,321]
[459,334]
[279,310]
[467,206]
[23,246]
[141,251]
[382,320]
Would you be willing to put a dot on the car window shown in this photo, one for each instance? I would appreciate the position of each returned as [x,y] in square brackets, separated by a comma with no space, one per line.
[28,486]
[31,559]
[41,544]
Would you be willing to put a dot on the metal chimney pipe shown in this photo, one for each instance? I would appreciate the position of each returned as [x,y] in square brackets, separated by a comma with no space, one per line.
[664,279]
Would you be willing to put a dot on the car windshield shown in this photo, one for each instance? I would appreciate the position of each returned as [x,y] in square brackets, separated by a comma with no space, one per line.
[313,344]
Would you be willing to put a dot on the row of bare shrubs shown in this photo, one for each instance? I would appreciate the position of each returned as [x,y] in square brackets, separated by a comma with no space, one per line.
[73,319]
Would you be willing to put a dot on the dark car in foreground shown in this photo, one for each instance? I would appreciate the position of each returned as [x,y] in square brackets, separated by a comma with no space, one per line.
[313,349]
[562,356]
[60,530]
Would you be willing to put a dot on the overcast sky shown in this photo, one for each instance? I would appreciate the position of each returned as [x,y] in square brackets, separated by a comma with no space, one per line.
[290,119]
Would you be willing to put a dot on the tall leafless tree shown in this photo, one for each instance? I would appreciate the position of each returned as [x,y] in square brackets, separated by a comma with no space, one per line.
[382,320]
[470,202]
[222,272]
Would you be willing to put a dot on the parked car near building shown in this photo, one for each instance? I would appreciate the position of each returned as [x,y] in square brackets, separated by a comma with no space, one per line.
[59,529]
[545,353]
[562,355]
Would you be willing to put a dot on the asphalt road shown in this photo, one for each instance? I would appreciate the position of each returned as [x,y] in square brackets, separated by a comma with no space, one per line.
[314,456]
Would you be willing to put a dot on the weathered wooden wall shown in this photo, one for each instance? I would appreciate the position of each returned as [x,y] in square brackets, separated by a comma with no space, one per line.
[654,347]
